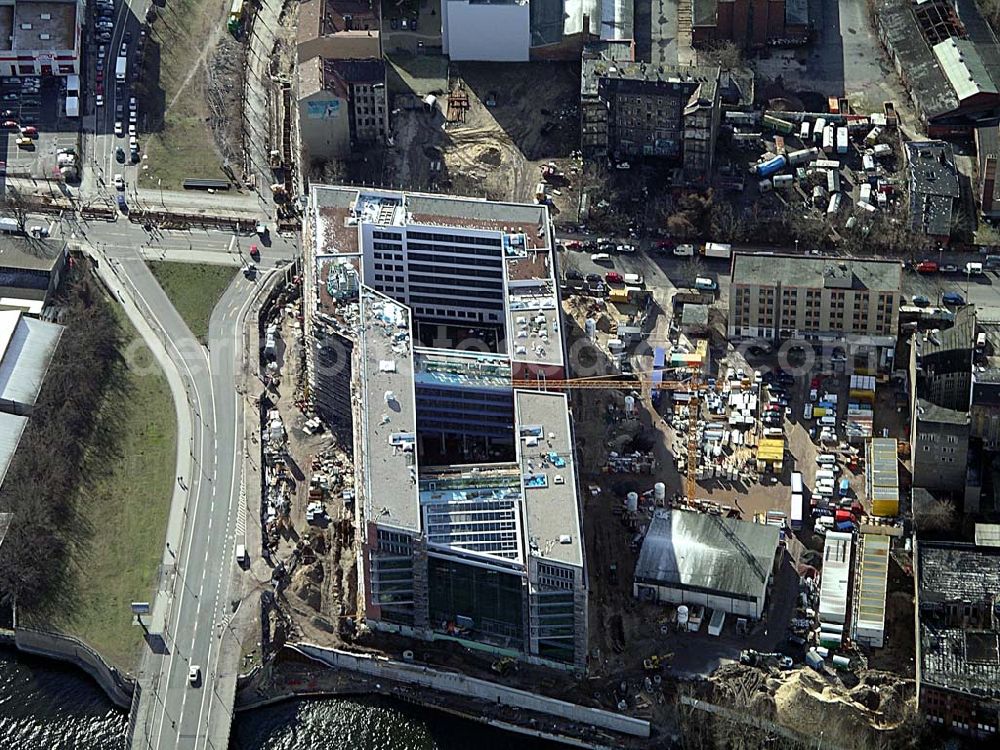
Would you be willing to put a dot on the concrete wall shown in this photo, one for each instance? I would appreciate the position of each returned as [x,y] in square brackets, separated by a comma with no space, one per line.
[459,684]
[324,125]
[495,33]
[118,687]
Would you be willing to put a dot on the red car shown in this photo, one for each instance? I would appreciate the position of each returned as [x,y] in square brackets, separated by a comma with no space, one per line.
[613,277]
[574,245]
[255,252]
[30,130]
[927,266]
[100,76]
[10,124]
[99,88]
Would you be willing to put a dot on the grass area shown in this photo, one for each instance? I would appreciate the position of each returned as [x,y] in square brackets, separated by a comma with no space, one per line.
[126,509]
[417,74]
[194,289]
[173,97]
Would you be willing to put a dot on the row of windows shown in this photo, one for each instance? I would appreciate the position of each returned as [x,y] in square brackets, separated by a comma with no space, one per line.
[468,296]
[455,255]
[450,313]
[448,281]
[437,270]
[381,235]
[479,304]
[454,239]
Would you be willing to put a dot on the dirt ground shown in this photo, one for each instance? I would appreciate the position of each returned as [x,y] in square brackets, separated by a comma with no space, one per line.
[489,151]
[320,556]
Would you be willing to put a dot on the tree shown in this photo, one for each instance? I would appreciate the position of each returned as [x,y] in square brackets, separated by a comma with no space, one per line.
[725,54]
[18,207]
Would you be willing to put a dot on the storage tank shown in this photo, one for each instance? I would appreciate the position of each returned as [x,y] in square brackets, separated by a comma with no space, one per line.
[682,616]
[590,328]
[659,492]
[632,502]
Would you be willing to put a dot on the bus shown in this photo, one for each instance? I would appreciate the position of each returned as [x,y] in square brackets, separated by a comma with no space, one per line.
[235,17]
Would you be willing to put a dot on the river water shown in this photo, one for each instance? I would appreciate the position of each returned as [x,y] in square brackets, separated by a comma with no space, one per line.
[45,706]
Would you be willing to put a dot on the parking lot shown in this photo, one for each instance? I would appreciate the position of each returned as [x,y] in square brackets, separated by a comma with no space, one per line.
[39,107]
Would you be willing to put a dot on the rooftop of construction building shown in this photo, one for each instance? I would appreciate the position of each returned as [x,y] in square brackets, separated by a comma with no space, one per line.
[551,502]
[341,209]
[337,283]
[461,369]
[388,412]
[957,590]
[30,26]
[813,272]
[698,551]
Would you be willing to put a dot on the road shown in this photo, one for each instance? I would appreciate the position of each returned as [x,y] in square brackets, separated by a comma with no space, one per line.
[195,606]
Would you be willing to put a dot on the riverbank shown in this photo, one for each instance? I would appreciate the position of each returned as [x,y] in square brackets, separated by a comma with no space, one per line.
[305,670]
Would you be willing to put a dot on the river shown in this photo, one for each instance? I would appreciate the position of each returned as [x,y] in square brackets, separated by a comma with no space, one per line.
[45,706]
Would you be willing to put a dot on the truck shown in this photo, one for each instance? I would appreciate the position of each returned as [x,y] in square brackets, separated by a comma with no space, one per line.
[120,64]
[828,137]
[769,167]
[717,250]
[778,125]
[818,129]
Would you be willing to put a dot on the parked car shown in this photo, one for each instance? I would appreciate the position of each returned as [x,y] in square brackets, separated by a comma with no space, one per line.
[613,277]
[122,205]
[927,266]
[949,268]
[30,130]
[920,300]
[574,275]
[99,101]
[594,278]
[120,155]
[9,125]
[119,182]
[953,298]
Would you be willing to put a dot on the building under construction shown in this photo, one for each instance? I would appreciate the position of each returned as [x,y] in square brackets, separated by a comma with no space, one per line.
[434,324]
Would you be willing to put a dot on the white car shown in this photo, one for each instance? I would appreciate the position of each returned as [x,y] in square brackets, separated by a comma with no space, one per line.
[119,129]
[131,129]
[119,182]
[133,142]
[194,675]
[132,117]
[100,100]
[132,105]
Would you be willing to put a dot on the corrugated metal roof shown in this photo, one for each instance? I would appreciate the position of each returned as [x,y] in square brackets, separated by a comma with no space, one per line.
[11,427]
[836,574]
[695,550]
[882,475]
[964,68]
[873,576]
[27,347]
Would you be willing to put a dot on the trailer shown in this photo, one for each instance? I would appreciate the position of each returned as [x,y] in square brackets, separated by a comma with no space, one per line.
[833,181]
[802,156]
[842,140]
[818,130]
[769,167]
[717,622]
[805,131]
[828,138]
[781,181]
[795,516]
[778,125]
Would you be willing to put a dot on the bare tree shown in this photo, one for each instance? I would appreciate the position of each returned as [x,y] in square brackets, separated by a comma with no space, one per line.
[18,207]
[725,54]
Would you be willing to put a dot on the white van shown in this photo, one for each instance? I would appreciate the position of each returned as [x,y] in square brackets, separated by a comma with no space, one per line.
[828,421]
[601,258]
[826,459]
[705,285]
[684,251]
[632,279]
[974,269]
[241,555]
[825,474]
